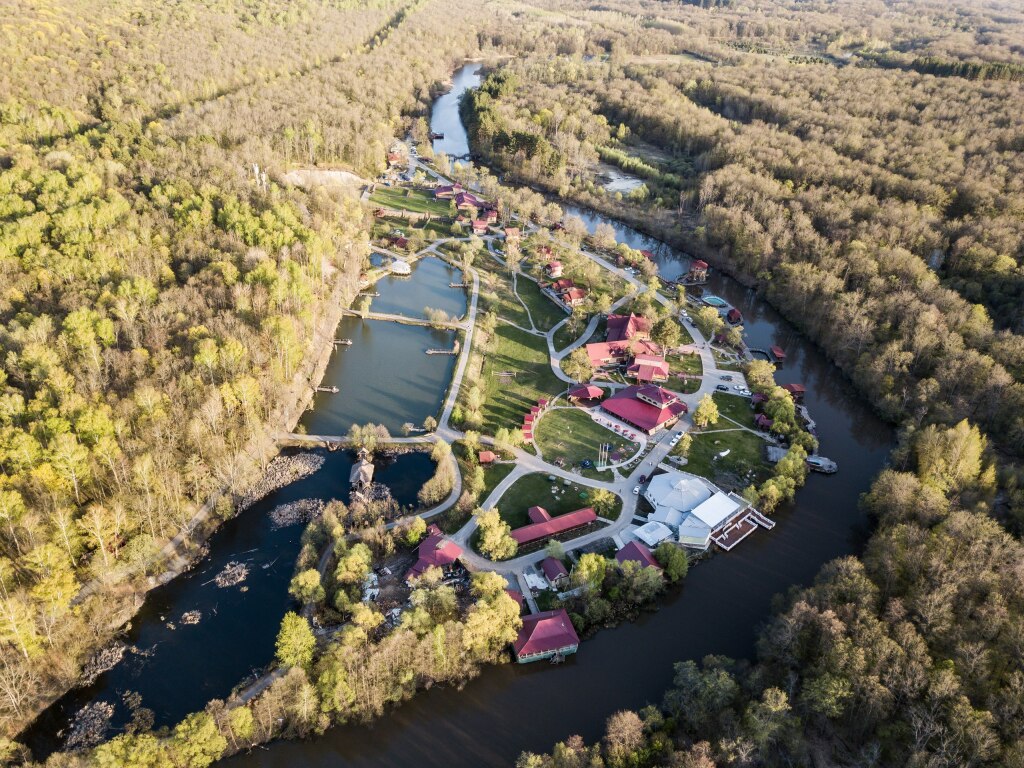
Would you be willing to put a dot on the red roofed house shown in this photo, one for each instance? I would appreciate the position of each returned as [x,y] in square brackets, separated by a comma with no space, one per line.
[479,227]
[796,390]
[545,529]
[487,457]
[698,271]
[512,233]
[585,392]
[565,293]
[734,316]
[625,327]
[394,158]
[435,551]
[648,408]
[464,200]
[648,368]
[538,514]
[647,254]
[635,552]
[447,191]
[490,215]
[553,269]
[762,422]
[604,353]
[778,354]
[544,635]
[554,572]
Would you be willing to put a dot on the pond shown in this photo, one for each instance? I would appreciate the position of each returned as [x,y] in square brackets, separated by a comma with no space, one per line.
[427,286]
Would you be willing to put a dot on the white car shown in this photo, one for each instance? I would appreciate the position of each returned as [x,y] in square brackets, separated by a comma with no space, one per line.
[673,442]
[636,490]
[679,434]
[746,392]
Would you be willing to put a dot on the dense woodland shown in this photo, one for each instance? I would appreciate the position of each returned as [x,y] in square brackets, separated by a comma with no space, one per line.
[879,206]
[163,290]
[861,164]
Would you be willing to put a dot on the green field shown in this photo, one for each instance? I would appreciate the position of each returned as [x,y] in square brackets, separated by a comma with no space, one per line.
[537,490]
[496,292]
[745,463]
[510,398]
[546,314]
[493,475]
[734,407]
[570,434]
[410,199]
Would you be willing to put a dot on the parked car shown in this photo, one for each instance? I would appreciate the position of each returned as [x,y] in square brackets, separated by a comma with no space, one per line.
[636,490]
[680,433]
[722,388]
[643,478]
[726,377]
[738,387]
[746,392]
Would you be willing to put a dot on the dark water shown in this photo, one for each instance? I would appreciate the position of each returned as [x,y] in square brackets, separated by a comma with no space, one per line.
[180,670]
[510,709]
[385,377]
[444,116]
[427,286]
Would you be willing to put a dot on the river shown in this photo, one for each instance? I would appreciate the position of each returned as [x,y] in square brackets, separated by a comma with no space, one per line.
[384,377]
[513,708]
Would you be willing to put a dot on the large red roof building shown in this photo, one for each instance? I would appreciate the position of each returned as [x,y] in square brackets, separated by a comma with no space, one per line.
[544,635]
[545,529]
[625,327]
[648,408]
[635,552]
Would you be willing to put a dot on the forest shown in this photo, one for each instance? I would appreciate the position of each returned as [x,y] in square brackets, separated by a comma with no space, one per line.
[165,293]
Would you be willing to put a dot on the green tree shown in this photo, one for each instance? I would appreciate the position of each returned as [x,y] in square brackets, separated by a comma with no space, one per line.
[673,561]
[578,366]
[197,742]
[495,539]
[666,332]
[306,588]
[295,642]
[706,412]
[604,502]
[589,571]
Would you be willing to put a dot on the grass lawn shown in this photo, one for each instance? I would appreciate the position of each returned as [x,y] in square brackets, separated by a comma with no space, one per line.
[508,399]
[690,364]
[536,489]
[727,363]
[496,293]
[745,463]
[570,434]
[733,407]
[543,310]
[410,199]
[493,475]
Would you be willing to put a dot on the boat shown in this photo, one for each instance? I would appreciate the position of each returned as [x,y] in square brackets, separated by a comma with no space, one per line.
[823,465]
[343,342]
[436,136]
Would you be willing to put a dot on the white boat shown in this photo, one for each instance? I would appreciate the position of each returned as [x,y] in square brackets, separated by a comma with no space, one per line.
[821,464]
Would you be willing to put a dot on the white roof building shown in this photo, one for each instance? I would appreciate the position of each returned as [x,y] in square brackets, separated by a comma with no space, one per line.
[652,533]
[709,516]
[673,494]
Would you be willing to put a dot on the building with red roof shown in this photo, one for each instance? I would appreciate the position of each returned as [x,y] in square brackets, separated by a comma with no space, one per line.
[647,369]
[464,200]
[698,271]
[585,392]
[648,408]
[447,191]
[762,422]
[777,353]
[490,215]
[555,572]
[479,227]
[435,551]
[565,293]
[544,635]
[625,327]
[635,552]
[545,529]
[605,353]
[553,269]
[796,390]
[538,514]
[512,233]
[734,316]
[487,457]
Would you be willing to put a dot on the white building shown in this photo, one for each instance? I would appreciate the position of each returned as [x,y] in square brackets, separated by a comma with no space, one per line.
[692,507]
[653,533]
